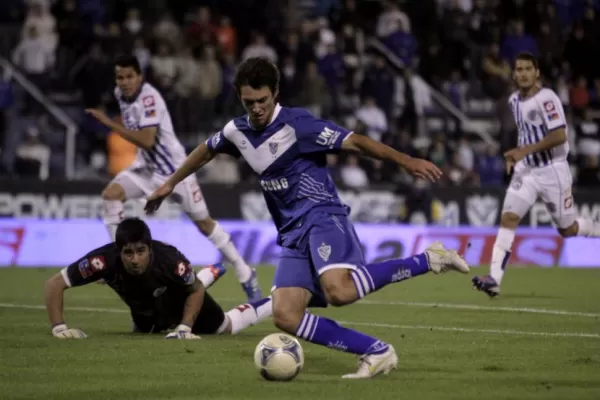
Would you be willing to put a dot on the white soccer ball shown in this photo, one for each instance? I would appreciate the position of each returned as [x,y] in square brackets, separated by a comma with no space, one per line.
[279,357]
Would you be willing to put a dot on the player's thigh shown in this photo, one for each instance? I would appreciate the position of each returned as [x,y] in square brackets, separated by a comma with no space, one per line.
[335,250]
[189,196]
[294,270]
[521,195]
[128,184]
[211,318]
[555,191]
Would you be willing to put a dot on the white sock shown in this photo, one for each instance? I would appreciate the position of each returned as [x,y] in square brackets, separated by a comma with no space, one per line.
[588,227]
[501,253]
[206,276]
[223,243]
[112,216]
[249,314]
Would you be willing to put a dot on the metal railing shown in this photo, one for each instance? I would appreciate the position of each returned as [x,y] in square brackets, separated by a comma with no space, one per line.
[468,125]
[71,128]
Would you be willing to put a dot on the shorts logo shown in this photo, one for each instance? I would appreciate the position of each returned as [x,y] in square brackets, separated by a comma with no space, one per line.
[568,202]
[516,183]
[324,251]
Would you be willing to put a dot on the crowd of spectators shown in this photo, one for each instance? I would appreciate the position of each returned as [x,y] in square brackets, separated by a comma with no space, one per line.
[189,50]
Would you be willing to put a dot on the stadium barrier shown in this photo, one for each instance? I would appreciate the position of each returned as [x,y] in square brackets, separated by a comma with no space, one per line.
[453,206]
[57,243]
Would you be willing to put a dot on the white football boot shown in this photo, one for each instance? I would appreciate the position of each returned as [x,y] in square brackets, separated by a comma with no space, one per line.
[443,260]
[371,365]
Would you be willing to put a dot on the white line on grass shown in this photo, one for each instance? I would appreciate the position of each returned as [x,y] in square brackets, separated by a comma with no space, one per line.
[372,324]
[480,308]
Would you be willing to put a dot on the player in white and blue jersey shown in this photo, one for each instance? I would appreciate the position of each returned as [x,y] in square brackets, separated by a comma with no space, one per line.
[321,261]
[147,124]
[540,169]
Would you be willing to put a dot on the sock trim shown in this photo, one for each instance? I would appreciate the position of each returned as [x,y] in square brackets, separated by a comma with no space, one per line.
[363,282]
[308,326]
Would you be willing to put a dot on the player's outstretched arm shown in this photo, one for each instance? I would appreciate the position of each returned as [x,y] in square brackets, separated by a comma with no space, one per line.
[191,309]
[196,160]
[144,138]
[54,295]
[418,167]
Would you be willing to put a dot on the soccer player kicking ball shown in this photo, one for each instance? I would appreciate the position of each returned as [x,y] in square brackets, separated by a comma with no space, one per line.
[540,170]
[321,261]
[148,125]
[157,283]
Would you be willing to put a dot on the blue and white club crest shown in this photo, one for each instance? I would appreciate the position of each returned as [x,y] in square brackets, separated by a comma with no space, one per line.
[324,251]
[273,147]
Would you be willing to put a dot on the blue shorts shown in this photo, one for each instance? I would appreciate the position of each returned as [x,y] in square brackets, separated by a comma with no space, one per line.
[330,240]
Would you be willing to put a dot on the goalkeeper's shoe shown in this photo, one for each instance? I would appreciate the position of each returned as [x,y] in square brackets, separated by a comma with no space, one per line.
[218,270]
[252,288]
[371,365]
[486,284]
[441,259]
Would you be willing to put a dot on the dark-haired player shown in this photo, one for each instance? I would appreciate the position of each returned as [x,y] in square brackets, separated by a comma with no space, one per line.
[148,125]
[158,285]
[321,261]
[540,169]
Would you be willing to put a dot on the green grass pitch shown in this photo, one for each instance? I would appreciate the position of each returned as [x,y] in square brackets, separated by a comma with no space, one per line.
[539,340]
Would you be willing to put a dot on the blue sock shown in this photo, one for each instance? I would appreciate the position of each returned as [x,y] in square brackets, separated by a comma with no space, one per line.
[326,332]
[372,277]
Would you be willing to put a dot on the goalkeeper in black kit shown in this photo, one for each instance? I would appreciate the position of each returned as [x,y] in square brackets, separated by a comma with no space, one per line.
[158,285]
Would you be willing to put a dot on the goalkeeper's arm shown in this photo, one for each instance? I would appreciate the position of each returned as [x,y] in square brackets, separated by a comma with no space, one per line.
[53,296]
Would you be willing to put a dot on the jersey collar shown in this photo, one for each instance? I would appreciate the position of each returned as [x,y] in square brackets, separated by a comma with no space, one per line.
[133,98]
[273,117]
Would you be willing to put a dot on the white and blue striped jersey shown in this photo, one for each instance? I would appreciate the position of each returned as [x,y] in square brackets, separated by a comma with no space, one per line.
[149,109]
[535,117]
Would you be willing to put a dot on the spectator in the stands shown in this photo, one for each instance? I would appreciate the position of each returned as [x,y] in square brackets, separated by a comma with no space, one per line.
[352,174]
[379,83]
[259,48]
[490,167]
[33,156]
[518,41]
[373,118]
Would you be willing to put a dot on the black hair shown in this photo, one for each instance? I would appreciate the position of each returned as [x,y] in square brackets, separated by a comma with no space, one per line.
[130,61]
[132,230]
[525,56]
[257,72]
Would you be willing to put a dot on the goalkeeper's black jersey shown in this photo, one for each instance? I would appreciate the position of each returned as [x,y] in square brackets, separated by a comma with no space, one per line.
[159,293]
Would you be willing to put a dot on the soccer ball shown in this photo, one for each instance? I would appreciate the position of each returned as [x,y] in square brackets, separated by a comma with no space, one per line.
[279,357]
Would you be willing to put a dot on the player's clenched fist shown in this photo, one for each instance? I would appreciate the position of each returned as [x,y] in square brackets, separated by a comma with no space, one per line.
[182,332]
[63,332]
[155,199]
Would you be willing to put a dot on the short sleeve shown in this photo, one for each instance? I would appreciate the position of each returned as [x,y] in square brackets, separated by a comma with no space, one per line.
[152,108]
[88,269]
[178,268]
[218,143]
[318,135]
[552,111]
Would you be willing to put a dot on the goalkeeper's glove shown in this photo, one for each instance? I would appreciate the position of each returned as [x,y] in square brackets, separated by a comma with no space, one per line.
[182,332]
[62,332]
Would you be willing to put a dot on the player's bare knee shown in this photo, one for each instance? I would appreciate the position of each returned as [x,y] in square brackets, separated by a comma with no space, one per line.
[113,192]
[338,287]
[206,226]
[287,319]
[510,220]
[570,231]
